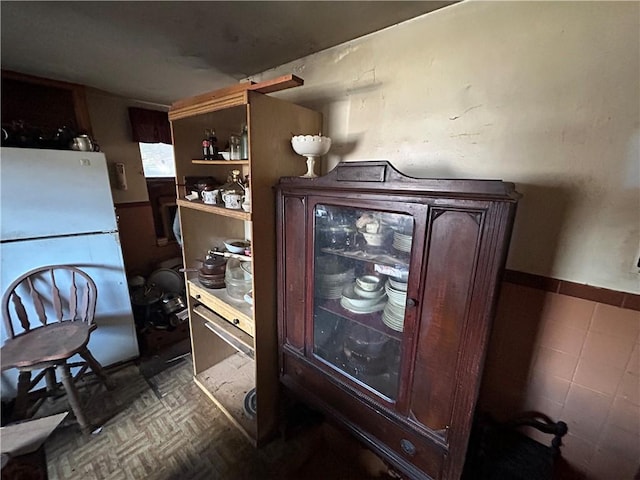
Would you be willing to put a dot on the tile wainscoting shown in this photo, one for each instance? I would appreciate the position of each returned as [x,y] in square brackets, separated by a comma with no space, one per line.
[572,352]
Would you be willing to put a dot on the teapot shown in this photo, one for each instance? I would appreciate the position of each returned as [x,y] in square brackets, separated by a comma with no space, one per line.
[83,143]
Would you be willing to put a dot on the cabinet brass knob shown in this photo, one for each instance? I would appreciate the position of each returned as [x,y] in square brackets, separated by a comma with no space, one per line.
[411,302]
[236,321]
[198,296]
[407,447]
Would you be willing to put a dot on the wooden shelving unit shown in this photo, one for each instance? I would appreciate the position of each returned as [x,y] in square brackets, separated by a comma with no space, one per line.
[234,345]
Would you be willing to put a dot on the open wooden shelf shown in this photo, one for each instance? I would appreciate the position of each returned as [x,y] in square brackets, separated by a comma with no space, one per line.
[227,383]
[234,345]
[204,207]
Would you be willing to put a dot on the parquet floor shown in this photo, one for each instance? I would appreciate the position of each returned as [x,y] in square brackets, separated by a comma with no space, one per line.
[164,428]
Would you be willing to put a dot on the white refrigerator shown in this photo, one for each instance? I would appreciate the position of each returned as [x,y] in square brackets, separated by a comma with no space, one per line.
[56,208]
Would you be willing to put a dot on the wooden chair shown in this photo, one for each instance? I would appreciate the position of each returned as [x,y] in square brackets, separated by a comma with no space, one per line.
[45,329]
[501,451]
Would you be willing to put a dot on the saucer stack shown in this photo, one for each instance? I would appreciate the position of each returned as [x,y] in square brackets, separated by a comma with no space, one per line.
[402,242]
[393,314]
[331,278]
[330,286]
[372,301]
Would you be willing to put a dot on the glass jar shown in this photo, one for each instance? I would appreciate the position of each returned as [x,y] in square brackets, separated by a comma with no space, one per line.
[234,148]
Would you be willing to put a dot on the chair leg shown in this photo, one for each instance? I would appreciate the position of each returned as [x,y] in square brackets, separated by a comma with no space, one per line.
[53,389]
[73,397]
[22,397]
[97,369]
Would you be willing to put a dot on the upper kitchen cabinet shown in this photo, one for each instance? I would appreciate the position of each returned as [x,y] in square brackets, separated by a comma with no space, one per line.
[232,307]
[387,289]
[42,113]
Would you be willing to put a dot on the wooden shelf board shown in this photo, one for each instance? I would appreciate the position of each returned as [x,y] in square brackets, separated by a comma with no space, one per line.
[277,84]
[371,320]
[220,162]
[267,86]
[203,207]
[382,258]
[227,383]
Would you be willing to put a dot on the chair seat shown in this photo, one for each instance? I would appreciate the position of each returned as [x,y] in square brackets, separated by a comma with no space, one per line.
[51,343]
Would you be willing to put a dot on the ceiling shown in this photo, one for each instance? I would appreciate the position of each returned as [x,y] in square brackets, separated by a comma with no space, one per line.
[161,51]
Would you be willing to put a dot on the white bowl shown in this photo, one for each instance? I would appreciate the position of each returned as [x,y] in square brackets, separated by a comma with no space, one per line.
[375,239]
[369,282]
[311,145]
[367,294]
[225,155]
[236,245]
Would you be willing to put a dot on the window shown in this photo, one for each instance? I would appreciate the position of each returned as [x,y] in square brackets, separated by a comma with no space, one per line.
[157,160]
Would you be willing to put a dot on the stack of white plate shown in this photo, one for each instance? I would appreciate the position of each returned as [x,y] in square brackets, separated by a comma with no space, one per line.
[402,242]
[329,291]
[397,284]
[356,303]
[331,279]
[393,314]
[393,317]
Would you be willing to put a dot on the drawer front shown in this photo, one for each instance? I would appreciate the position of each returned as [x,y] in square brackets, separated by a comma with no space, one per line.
[414,454]
[230,314]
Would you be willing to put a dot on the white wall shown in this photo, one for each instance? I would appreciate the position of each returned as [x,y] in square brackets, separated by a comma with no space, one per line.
[543,94]
[112,130]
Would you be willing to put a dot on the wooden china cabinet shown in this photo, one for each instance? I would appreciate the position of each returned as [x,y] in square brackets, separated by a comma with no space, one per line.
[386,293]
[234,343]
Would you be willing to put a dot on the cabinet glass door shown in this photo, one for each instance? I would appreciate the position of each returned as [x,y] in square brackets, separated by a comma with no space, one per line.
[361,268]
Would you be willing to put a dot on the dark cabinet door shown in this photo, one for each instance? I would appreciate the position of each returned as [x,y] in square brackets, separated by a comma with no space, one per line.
[360,269]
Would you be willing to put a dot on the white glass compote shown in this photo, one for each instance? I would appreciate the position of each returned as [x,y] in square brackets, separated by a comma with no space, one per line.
[311,146]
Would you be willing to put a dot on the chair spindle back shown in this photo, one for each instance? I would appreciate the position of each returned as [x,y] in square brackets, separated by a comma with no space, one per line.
[40,289]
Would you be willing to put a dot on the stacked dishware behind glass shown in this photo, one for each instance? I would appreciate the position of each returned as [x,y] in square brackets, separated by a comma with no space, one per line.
[365,295]
[393,314]
[402,242]
[331,278]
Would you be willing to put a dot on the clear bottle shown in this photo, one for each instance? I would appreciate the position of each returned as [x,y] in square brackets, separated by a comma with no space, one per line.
[244,142]
[213,145]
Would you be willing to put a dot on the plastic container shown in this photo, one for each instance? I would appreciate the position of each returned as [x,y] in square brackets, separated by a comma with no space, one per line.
[237,279]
